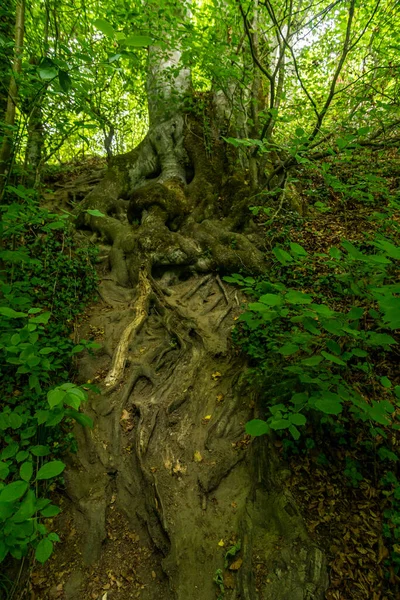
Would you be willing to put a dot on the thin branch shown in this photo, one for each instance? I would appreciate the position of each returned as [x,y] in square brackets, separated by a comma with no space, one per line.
[345,51]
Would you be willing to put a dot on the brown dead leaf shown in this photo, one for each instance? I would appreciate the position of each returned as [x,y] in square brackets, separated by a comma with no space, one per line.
[235,566]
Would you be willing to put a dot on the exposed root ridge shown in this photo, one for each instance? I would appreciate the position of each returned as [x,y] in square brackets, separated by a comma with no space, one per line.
[141,312]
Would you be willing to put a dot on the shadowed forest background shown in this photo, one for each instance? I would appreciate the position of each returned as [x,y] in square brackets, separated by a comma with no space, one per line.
[199,300]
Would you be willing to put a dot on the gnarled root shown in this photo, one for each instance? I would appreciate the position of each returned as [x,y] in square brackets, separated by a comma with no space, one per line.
[141,308]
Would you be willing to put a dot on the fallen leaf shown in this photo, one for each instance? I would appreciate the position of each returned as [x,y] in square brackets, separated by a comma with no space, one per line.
[221,543]
[197,457]
[207,418]
[216,375]
[220,397]
[235,566]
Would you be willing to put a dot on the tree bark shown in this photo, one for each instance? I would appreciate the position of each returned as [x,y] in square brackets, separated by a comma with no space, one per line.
[12,100]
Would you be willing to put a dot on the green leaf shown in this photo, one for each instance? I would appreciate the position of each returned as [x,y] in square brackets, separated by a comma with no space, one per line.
[257,427]
[50,469]
[40,450]
[44,550]
[15,420]
[385,381]
[11,313]
[288,349]
[95,213]
[50,511]
[312,361]
[294,297]
[333,346]
[48,73]
[335,253]
[355,313]
[297,419]
[329,406]
[279,424]
[4,470]
[80,418]
[359,352]
[333,358]
[105,27]
[294,432]
[13,491]
[26,470]
[283,256]
[380,339]
[65,81]
[271,299]
[138,41]
[55,397]
[297,249]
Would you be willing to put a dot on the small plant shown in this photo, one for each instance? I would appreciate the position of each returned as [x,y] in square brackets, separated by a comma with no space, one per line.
[44,283]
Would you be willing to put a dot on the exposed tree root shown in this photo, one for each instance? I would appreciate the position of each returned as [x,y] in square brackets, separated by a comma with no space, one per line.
[141,311]
[168,449]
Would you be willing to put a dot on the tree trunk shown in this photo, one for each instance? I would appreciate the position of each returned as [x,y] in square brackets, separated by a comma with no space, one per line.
[168,457]
[6,149]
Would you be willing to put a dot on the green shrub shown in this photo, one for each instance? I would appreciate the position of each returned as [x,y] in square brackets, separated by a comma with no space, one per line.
[45,282]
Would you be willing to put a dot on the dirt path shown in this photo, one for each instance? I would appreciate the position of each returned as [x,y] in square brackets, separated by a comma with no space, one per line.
[166,482]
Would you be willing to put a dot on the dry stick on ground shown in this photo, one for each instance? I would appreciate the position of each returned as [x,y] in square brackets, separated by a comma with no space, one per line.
[142,309]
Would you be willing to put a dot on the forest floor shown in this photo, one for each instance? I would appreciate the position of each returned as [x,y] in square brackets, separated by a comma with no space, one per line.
[345,521]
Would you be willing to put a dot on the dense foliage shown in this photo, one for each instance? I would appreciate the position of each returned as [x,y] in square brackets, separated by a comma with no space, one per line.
[45,283]
[308,97]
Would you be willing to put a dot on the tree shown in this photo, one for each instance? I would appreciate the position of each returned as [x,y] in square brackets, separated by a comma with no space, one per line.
[228,129]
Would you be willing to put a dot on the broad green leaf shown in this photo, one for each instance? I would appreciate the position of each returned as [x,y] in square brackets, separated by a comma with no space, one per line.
[11,313]
[333,358]
[385,381]
[65,81]
[48,73]
[138,41]
[312,361]
[55,397]
[26,470]
[380,339]
[50,511]
[105,27]
[27,508]
[15,420]
[44,550]
[333,346]
[50,469]
[80,418]
[335,253]
[95,213]
[271,299]
[294,297]
[13,491]
[294,432]
[288,349]
[329,406]
[355,313]
[40,450]
[283,256]
[297,419]
[257,427]
[4,470]
[297,249]
[279,424]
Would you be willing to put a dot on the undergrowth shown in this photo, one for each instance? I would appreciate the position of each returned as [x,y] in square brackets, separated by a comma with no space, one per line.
[321,333]
[45,282]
